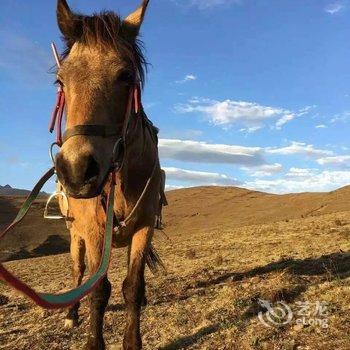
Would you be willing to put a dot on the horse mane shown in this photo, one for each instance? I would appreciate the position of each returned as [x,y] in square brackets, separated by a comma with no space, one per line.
[106,29]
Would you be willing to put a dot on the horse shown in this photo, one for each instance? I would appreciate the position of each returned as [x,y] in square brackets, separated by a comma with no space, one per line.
[101,74]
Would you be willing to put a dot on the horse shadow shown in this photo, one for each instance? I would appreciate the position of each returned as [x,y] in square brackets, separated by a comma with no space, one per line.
[331,266]
[188,340]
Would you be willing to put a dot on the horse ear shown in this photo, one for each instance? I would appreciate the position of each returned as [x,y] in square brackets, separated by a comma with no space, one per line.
[68,22]
[132,23]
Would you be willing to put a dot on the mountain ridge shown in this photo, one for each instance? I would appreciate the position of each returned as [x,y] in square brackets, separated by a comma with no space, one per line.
[8,190]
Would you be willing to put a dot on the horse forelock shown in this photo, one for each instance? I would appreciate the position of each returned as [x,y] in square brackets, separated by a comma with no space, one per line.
[105,30]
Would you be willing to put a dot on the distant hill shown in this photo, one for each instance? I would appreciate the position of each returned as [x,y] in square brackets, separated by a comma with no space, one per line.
[204,208]
[190,210]
[223,251]
[34,236]
[7,190]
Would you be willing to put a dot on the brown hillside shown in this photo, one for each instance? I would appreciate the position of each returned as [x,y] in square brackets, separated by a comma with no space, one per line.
[224,250]
[201,208]
[34,236]
[190,210]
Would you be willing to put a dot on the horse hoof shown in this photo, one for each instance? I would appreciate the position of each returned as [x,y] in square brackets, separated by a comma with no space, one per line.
[70,323]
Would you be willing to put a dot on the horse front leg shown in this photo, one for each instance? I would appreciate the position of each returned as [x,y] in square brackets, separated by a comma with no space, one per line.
[77,250]
[134,287]
[99,297]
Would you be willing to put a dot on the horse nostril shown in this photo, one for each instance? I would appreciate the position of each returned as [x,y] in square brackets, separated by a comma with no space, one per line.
[92,169]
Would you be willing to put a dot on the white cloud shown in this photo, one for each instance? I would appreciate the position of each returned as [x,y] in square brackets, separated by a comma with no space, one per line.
[199,177]
[251,115]
[300,148]
[294,181]
[283,120]
[202,152]
[299,173]
[302,180]
[250,129]
[334,8]
[306,109]
[342,117]
[253,161]
[187,78]
[320,126]
[335,160]
[288,116]
[264,170]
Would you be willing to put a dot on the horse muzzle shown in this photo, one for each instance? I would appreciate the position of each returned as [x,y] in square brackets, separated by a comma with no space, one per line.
[81,177]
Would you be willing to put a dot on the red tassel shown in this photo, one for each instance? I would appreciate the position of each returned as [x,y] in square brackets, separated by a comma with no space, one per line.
[136,99]
[59,120]
[55,111]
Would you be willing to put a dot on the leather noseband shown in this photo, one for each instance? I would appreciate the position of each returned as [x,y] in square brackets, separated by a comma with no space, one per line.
[91,130]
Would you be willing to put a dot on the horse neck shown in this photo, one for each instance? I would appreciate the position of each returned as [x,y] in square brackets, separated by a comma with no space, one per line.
[141,154]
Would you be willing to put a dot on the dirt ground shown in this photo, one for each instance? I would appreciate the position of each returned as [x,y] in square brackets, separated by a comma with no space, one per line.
[220,267]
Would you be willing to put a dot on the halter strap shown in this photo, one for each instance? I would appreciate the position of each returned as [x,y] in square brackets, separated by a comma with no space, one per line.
[92,129]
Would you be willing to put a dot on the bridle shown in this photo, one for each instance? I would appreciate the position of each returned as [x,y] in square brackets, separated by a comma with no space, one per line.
[96,130]
[55,301]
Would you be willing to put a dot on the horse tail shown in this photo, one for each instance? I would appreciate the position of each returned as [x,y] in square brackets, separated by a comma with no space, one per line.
[153,260]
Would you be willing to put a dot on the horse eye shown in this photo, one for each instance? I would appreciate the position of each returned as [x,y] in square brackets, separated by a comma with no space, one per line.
[126,77]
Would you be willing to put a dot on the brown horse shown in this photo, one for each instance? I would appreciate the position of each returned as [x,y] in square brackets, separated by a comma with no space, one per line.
[102,63]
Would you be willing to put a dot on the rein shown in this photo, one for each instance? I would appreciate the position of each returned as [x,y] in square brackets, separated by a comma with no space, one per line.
[61,300]
[57,301]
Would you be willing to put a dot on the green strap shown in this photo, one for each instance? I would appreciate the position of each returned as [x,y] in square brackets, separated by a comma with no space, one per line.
[93,281]
[54,301]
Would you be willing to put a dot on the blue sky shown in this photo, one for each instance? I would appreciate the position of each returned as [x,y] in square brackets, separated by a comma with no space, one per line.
[254,93]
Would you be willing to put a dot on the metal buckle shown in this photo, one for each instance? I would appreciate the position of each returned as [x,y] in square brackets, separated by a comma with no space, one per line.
[56,194]
[51,153]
